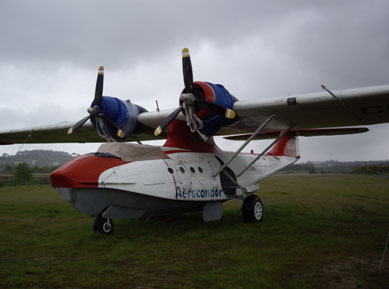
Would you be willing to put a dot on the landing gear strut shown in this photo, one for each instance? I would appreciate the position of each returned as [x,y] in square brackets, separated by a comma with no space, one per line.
[103,225]
[252,209]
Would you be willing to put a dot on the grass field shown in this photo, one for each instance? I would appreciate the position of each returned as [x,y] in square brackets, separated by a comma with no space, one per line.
[318,232]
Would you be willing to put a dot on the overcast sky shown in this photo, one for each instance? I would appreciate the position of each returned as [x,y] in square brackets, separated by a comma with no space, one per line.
[50,52]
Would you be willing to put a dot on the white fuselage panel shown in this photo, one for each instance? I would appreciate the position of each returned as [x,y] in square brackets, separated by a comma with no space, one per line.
[188,176]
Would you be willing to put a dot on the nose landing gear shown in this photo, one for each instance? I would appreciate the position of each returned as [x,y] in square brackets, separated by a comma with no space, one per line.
[103,225]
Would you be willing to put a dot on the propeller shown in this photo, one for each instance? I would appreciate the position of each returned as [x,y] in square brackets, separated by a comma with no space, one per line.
[165,123]
[94,111]
[190,100]
[187,70]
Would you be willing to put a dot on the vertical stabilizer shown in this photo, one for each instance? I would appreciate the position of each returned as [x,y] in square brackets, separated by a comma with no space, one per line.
[286,146]
[180,136]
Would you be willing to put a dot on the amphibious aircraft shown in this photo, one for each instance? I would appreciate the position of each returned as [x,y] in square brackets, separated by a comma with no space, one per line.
[189,172]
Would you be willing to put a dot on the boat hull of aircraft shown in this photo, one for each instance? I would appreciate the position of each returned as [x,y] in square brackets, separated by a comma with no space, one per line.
[119,204]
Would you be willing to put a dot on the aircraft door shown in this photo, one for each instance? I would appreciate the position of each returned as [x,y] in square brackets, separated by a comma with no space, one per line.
[228,180]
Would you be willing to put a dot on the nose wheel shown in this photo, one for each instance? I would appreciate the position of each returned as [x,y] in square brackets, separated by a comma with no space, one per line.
[252,209]
[103,225]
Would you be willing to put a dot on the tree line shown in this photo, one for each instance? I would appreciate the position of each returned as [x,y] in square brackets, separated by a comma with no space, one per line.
[24,174]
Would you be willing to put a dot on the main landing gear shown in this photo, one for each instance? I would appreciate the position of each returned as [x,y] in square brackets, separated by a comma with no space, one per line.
[103,225]
[252,209]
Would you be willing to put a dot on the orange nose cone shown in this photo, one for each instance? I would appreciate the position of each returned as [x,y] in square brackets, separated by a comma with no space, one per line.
[82,172]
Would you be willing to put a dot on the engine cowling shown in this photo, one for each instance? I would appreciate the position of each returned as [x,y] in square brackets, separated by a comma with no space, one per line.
[113,118]
[123,113]
[215,93]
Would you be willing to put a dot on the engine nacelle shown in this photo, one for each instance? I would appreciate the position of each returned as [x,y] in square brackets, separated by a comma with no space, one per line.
[123,114]
[215,93]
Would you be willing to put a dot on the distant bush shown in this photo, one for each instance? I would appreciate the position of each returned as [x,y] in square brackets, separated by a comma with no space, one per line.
[23,173]
[372,170]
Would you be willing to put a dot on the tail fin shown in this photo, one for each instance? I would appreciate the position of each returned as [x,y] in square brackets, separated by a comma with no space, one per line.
[286,146]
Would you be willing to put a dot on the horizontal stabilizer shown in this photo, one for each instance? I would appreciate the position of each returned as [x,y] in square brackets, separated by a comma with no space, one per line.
[301,132]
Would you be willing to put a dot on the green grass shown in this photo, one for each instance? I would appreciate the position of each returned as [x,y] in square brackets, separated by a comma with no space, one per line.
[318,232]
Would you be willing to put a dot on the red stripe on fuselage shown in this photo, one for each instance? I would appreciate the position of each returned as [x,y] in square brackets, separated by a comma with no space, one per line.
[177,151]
[82,172]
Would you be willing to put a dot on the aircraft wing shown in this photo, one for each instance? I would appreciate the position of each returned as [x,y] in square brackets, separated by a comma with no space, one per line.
[350,107]
[56,133]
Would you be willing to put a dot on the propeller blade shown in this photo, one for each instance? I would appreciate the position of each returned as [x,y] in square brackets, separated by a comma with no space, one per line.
[218,109]
[99,85]
[187,70]
[78,125]
[113,126]
[167,121]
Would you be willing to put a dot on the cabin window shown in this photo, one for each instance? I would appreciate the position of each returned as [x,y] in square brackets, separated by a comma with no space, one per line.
[182,170]
[200,169]
[192,169]
[170,170]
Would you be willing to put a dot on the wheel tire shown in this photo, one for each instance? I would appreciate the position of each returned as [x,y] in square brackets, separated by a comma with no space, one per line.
[252,209]
[103,225]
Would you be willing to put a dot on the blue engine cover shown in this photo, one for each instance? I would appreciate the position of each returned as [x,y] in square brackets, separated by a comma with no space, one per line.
[123,113]
[215,121]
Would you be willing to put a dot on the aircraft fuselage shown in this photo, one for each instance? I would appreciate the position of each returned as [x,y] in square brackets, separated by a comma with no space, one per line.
[175,181]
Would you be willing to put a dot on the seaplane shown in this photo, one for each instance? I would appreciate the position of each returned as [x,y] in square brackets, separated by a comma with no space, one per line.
[126,179]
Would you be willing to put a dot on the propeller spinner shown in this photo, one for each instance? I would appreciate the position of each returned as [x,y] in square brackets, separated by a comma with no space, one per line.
[190,100]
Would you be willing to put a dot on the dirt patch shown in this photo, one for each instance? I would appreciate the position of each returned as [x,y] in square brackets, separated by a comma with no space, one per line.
[357,273]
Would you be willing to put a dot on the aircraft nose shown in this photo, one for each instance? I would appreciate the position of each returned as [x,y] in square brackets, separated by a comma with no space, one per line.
[83,171]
